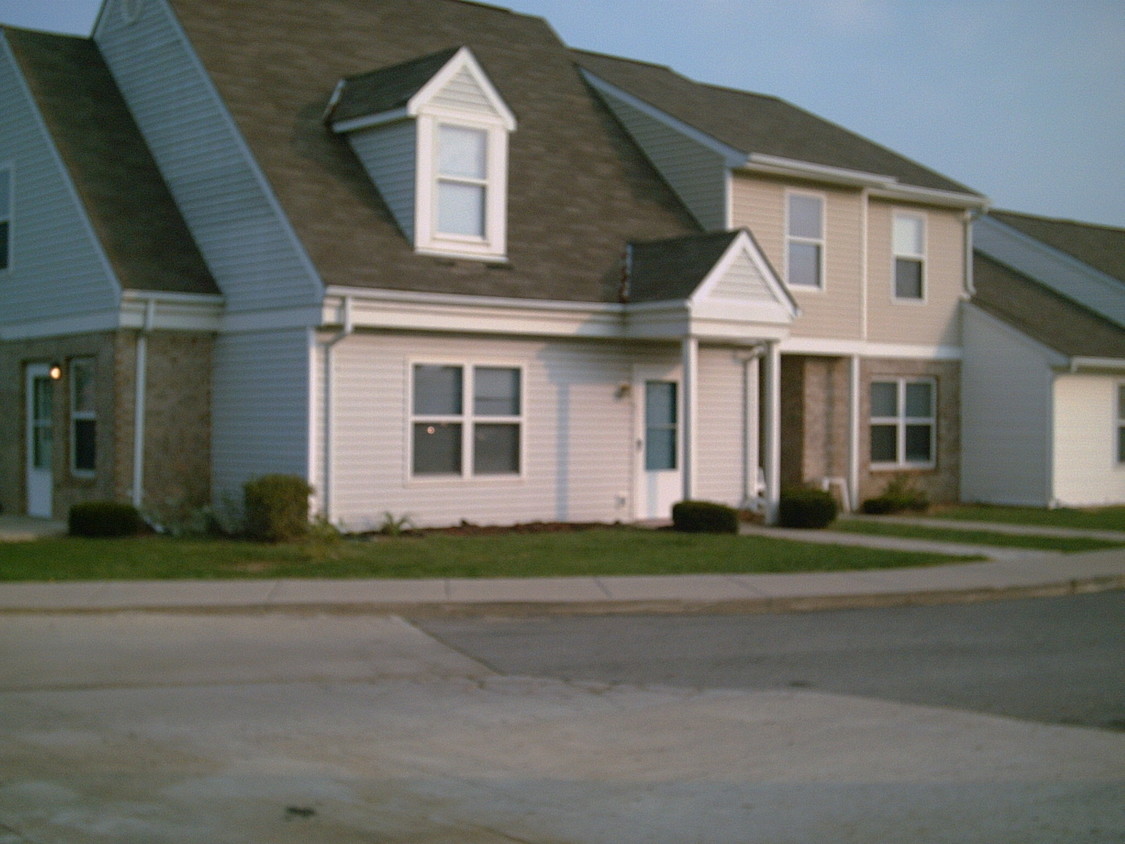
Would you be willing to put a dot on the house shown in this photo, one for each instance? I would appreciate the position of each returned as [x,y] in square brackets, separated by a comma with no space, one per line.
[1044,371]
[427,257]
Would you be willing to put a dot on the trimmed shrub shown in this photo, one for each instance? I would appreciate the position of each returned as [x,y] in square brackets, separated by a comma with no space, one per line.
[104,518]
[276,508]
[900,496]
[704,517]
[804,507]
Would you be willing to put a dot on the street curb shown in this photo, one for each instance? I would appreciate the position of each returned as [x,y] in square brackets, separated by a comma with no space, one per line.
[661,606]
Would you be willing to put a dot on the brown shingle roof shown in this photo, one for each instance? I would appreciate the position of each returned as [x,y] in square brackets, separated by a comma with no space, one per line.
[124,195]
[1102,247]
[1052,319]
[673,269]
[754,123]
[578,188]
[389,88]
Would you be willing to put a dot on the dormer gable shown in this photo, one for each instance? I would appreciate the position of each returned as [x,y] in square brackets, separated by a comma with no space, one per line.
[433,136]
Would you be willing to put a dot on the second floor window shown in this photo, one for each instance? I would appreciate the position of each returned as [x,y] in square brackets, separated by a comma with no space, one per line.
[462,181]
[5,217]
[804,256]
[910,256]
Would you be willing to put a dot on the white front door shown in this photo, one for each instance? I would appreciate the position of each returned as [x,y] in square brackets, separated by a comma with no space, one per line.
[659,442]
[39,447]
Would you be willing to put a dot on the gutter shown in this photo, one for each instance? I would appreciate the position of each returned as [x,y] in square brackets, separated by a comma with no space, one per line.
[346,330]
[140,386]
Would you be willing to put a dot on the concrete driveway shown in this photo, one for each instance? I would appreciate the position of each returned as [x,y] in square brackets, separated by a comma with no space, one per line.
[274,727]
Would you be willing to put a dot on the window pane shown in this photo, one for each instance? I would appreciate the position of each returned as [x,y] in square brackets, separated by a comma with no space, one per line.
[804,264]
[461,209]
[660,449]
[1121,445]
[42,440]
[908,278]
[660,403]
[918,441]
[3,246]
[884,447]
[919,400]
[437,449]
[496,391]
[5,194]
[908,235]
[437,390]
[884,399]
[85,431]
[461,152]
[805,216]
[82,373]
[496,449]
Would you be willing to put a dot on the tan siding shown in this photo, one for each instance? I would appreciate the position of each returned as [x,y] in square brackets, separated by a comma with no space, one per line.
[935,321]
[836,311]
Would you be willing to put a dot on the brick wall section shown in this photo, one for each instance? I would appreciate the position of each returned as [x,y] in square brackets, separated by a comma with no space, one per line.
[14,358]
[178,420]
[943,482]
[814,419]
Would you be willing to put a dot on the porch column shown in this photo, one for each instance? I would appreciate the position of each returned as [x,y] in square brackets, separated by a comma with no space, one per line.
[751,429]
[771,439]
[853,432]
[690,359]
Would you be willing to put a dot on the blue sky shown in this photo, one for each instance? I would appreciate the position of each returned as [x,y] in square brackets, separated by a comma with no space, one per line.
[1023,100]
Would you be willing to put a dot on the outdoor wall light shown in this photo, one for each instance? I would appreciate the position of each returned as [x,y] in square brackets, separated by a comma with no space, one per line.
[55,371]
[624,390]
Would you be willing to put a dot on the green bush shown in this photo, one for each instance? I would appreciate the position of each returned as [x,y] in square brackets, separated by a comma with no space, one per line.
[104,518]
[804,507]
[900,496]
[276,508]
[704,517]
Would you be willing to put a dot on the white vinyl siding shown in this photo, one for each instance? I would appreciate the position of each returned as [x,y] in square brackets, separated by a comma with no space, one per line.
[260,408]
[696,174]
[388,153]
[1087,472]
[247,243]
[577,435]
[1005,415]
[722,474]
[464,94]
[55,267]
[743,281]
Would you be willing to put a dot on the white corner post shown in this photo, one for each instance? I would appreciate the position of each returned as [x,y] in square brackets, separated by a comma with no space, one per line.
[690,354]
[853,430]
[347,328]
[771,440]
[140,387]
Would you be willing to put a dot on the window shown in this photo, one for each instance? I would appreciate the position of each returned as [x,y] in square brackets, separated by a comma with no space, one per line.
[462,181]
[466,420]
[903,422]
[805,242]
[661,425]
[5,218]
[1121,423]
[83,419]
[909,238]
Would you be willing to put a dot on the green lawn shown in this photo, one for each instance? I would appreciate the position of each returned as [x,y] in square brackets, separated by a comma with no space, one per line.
[1066,544]
[1103,518]
[598,552]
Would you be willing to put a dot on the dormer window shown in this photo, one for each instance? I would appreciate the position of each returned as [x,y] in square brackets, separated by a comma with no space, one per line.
[433,136]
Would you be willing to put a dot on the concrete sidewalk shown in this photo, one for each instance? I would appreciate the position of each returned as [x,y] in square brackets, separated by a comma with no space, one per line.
[1006,573]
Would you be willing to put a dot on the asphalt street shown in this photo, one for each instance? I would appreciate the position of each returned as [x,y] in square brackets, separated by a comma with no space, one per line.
[244,727]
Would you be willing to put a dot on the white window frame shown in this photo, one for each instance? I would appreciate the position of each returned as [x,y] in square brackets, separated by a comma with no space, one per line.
[919,257]
[429,239]
[84,415]
[820,242]
[1119,428]
[468,419]
[6,215]
[901,421]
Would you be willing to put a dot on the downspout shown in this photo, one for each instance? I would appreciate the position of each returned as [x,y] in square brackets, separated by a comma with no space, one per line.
[773,431]
[140,387]
[347,328]
[853,430]
[690,353]
[751,429]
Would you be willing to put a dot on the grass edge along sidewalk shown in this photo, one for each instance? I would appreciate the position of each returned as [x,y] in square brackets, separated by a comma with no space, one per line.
[597,552]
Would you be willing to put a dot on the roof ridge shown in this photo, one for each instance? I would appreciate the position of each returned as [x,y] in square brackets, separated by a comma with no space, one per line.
[1046,289]
[1068,221]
